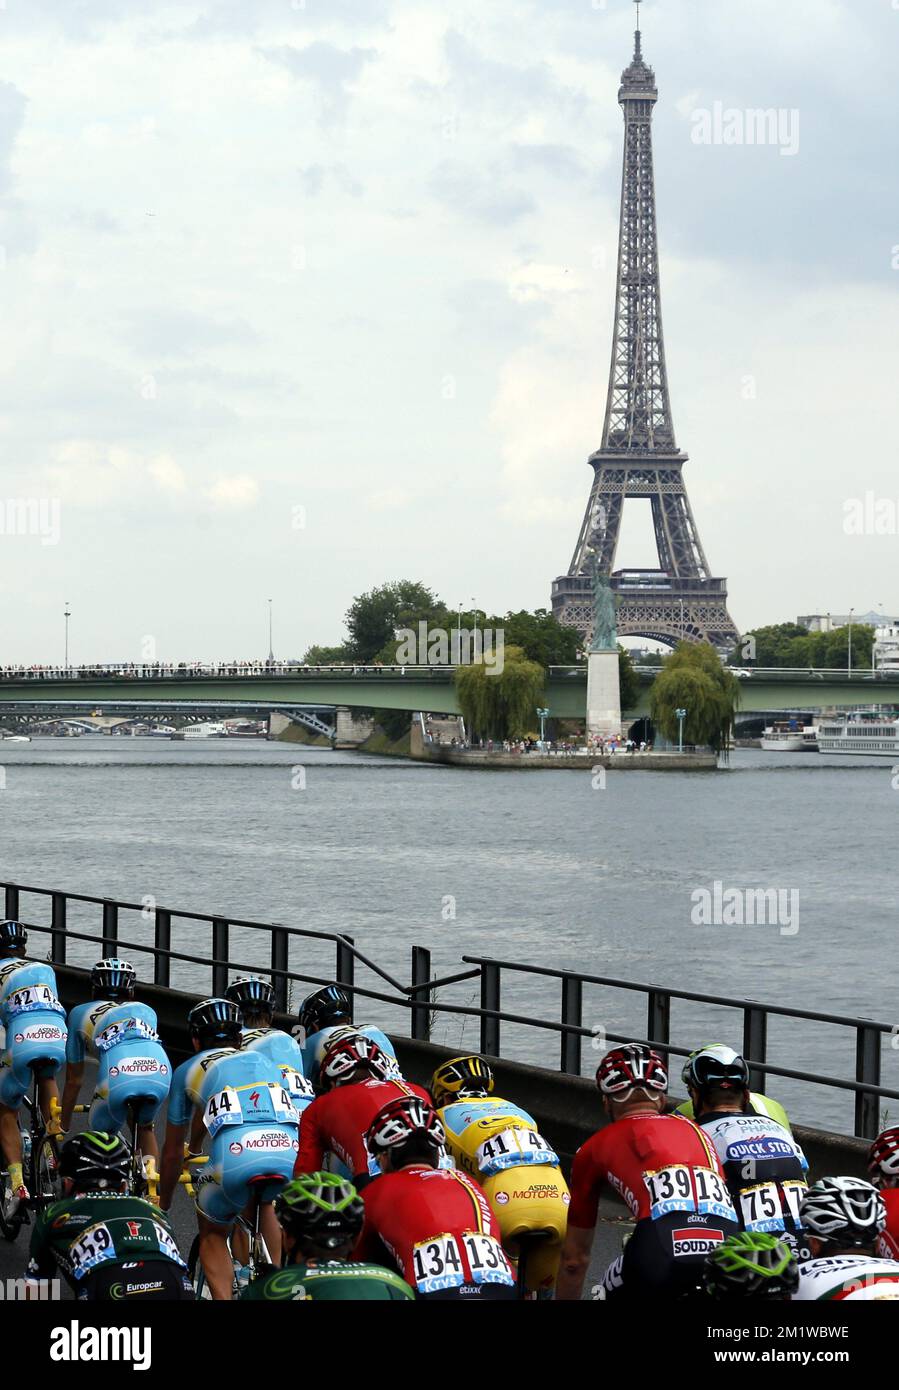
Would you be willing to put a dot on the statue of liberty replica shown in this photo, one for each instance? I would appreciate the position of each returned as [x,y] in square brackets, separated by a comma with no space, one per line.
[603,686]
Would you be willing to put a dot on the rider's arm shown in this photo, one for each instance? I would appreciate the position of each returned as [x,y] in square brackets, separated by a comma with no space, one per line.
[575,1262]
[311,1154]
[582,1214]
[170,1163]
[71,1090]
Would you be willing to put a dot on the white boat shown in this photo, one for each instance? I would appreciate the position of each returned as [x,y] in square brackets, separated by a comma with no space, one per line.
[204,731]
[780,738]
[862,738]
[16,738]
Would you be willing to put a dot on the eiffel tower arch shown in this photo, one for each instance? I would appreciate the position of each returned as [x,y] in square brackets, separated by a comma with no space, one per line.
[679,599]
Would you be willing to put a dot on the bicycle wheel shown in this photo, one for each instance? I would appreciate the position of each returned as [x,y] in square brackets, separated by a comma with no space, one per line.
[196,1272]
[8,1229]
[44,1182]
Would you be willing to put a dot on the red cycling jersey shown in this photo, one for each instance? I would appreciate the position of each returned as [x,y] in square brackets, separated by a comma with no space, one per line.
[437,1227]
[337,1123]
[624,1153]
[888,1240]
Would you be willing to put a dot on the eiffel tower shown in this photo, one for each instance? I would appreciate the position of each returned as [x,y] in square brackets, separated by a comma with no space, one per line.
[638,456]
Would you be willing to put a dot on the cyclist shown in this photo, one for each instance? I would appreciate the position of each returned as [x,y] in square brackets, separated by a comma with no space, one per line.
[134,1073]
[327,1013]
[843,1218]
[434,1224]
[321,1217]
[883,1165]
[761,1105]
[751,1264]
[355,1085]
[666,1171]
[238,1098]
[108,1245]
[498,1144]
[34,1024]
[764,1166]
[256,1000]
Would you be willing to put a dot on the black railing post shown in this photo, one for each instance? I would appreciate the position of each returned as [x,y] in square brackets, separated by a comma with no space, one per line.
[490,991]
[219,955]
[12,903]
[162,945]
[110,927]
[658,1017]
[572,1014]
[867,1068]
[280,984]
[755,1045]
[346,964]
[58,929]
[421,1009]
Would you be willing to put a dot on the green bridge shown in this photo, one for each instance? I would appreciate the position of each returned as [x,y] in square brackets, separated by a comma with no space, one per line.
[413,688]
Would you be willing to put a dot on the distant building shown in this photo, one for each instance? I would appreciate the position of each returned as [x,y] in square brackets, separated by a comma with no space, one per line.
[829,622]
[885,654]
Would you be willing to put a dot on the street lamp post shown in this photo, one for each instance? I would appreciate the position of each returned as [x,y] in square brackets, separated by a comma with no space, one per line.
[475,625]
[542,715]
[271,650]
[849,663]
[67,615]
[681,716]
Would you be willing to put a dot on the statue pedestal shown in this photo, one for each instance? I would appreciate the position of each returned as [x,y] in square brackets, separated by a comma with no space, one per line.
[603,694]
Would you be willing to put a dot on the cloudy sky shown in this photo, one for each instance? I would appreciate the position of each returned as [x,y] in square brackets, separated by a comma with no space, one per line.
[304,295]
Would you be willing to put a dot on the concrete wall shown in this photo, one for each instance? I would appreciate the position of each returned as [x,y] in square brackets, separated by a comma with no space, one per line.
[567,1108]
[350,730]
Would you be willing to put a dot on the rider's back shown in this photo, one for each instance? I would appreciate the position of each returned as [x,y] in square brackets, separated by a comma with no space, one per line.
[621,1154]
[848,1278]
[330,1281]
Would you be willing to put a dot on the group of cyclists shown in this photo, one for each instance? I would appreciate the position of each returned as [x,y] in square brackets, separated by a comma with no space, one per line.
[319,1172]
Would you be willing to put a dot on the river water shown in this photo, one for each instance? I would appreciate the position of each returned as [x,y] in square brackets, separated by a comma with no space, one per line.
[545,868]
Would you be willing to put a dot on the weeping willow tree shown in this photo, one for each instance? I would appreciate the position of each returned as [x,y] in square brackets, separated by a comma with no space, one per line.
[694,679]
[501,703]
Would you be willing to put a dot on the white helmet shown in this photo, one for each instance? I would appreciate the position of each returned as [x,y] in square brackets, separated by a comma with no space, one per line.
[843,1211]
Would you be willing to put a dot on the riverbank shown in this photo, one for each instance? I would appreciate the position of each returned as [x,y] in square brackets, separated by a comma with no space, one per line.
[519,762]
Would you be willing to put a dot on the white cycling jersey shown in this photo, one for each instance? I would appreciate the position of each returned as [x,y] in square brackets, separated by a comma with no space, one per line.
[849,1278]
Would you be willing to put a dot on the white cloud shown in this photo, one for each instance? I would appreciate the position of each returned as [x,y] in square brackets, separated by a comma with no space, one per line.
[235,493]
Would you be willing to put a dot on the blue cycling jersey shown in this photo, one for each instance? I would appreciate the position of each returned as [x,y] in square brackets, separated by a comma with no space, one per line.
[253,1076]
[102,1025]
[315,1045]
[287,1055]
[27,986]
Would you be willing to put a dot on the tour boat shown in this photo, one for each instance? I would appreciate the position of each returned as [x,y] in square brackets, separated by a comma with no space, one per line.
[876,737]
[781,738]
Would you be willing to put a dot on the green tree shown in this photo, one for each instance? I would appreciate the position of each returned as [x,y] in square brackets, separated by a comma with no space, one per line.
[372,618]
[628,680]
[326,656]
[694,679]
[540,637]
[504,704]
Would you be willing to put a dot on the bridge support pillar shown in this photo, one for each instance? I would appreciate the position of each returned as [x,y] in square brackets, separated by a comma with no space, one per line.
[349,729]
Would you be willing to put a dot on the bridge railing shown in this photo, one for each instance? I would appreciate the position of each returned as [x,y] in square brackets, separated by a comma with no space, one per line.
[147,929]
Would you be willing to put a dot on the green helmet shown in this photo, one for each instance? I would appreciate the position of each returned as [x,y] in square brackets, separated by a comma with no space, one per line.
[320,1207]
[751,1264]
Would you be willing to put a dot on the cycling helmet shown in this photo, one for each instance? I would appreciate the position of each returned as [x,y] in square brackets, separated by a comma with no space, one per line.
[325,1006]
[404,1119]
[843,1211]
[353,1058]
[883,1158]
[215,1021]
[113,979]
[630,1067]
[715,1066]
[460,1078]
[320,1207]
[95,1160]
[751,1264]
[252,994]
[13,936]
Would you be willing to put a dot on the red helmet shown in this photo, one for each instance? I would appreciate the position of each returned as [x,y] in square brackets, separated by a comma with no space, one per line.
[883,1158]
[631,1067]
[353,1058]
[402,1119]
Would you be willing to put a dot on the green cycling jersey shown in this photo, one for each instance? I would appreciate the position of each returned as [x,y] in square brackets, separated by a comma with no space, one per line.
[332,1279]
[762,1105]
[94,1230]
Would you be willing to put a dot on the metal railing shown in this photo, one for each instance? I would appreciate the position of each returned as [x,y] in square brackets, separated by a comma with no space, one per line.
[419,997]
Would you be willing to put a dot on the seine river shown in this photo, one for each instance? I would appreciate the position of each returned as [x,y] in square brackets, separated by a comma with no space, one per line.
[544,868]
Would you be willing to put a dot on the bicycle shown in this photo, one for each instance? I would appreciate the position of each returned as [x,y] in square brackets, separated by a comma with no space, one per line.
[40,1159]
[259,1260]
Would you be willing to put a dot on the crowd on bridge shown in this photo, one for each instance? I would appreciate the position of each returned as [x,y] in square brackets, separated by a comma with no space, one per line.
[180,670]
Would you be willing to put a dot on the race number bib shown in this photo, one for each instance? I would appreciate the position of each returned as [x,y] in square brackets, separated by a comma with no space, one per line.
[167,1244]
[249,1105]
[680,1188]
[511,1148]
[222,1109]
[94,1247]
[437,1264]
[129,1028]
[296,1083]
[32,997]
[487,1259]
[761,1207]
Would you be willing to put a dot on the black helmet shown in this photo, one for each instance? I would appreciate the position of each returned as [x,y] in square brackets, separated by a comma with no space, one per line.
[325,1006]
[751,1264]
[716,1066]
[113,979]
[95,1160]
[13,936]
[215,1021]
[320,1207]
[252,994]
